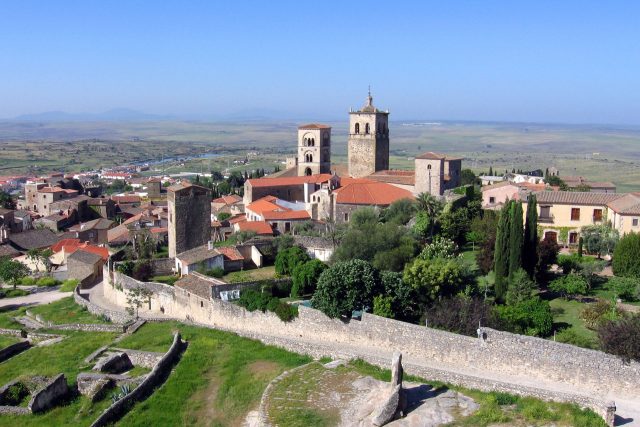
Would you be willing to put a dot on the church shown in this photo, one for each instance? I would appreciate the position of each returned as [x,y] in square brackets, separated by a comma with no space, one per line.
[310,187]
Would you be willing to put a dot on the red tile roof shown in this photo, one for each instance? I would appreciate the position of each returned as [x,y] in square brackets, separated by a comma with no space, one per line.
[284,215]
[228,200]
[51,190]
[72,245]
[260,227]
[365,192]
[430,155]
[237,218]
[292,180]
[231,253]
[394,177]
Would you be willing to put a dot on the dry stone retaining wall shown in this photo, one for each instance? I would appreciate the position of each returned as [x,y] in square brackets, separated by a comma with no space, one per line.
[156,377]
[49,395]
[113,316]
[13,349]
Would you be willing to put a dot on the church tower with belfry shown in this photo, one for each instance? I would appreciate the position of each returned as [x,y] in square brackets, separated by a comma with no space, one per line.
[314,149]
[368,144]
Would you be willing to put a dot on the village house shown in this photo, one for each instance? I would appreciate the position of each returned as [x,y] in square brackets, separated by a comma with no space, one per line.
[231,204]
[578,182]
[95,231]
[279,214]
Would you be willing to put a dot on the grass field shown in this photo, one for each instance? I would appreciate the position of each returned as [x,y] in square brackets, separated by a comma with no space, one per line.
[263,273]
[6,340]
[65,310]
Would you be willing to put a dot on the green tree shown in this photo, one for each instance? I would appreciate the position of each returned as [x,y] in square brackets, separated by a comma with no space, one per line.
[599,239]
[305,277]
[626,256]
[287,260]
[530,244]
[440,247]
[402,295]
[12,271]
[6,201]
[435,278]
[399,212]
[382,306]
[136,298]
[346,286]
[467,177]
[515,237]
[429,209]
[40,257]
[521,287]
[501,254]
[626,288]
[569,285]
[529,317]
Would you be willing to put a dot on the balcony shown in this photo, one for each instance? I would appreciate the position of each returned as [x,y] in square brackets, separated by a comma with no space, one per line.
[546,219]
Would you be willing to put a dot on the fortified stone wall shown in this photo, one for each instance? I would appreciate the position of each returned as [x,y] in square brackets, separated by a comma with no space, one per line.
[500,353]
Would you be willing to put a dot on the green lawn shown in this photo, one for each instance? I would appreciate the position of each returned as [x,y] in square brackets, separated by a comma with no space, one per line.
[12,293]
[566,314]
[167,280]
[66,310]
[65,357]
[7,317]
[219,379]
[263,273]
[7,340]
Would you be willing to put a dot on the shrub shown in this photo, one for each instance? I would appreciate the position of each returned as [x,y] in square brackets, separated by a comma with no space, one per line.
[223,216]
[460,315]
[126,267]
[382,306]
[15,394]
[626,288]
[569,285]
[621,337]
[143,271]
[529,317]
[286,312]
[626,257]
[215,272]
[69,285]
[547,255]
[47,282]
[569,336]
[28,281]
[596,313]
[288,259]
[521,287]
[305,277]
[253,300]
[441,247]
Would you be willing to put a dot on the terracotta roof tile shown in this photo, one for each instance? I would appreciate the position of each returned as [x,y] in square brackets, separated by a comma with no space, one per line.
[576,198]
[365,192]
[195,285]
[260,227]
[293,180]
[231,253]
[314,126]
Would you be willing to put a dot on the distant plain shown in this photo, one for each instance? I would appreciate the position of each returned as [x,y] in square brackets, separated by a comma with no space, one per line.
[600,153]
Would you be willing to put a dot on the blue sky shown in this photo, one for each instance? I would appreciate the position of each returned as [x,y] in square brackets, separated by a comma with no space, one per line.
[545,61]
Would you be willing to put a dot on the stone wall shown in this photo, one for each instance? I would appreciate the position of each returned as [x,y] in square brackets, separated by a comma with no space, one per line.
[13,349]
[146,359]
[450,357]
[157,376]
[49,395]
[113,316]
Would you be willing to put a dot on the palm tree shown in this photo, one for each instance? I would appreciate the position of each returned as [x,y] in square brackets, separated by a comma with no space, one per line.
[432,207]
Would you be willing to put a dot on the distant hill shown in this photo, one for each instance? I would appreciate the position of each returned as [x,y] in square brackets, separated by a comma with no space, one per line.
[116,114]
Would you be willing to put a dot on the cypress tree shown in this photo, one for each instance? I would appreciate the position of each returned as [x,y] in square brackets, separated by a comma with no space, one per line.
[530,245]
[516,236]
[490,170]
[501,254]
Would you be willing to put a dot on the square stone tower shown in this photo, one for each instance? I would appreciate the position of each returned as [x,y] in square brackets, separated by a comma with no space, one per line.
[430,174]
[189,217]
[368,140]
[314,149]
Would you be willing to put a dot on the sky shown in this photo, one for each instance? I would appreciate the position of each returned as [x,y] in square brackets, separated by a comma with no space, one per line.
[537,61]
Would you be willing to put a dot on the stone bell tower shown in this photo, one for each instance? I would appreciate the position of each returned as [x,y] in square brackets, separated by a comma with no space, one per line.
[368,140]
[314,149]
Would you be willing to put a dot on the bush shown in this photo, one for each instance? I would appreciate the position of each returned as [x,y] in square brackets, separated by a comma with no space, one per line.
[215,272]
[441,247]
[47,282]
[460,315]
[626,257]
[288,259]
[143,271]
[15,394]
[223,216]
[28,281]
[521,287]
[382,306]
[569,285]
[569,336]
[305,277]
[126,267]
[529,317]
[626,288]
[621,337]
[253,300]
[69,285]
[596,313]
[547,255]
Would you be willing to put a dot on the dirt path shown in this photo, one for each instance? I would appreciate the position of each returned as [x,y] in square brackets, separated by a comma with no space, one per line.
[34,299]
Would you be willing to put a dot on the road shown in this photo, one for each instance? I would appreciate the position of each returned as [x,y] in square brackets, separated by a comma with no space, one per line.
[34,299]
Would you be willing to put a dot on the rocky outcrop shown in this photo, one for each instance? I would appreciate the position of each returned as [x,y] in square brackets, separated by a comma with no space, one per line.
[114,363]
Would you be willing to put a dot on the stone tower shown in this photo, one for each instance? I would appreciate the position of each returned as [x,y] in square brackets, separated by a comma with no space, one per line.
[314,149]
[189,217]
[368,140]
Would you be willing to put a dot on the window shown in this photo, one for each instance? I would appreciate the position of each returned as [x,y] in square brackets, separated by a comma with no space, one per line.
[573,238]
[492,200]
[201,304]
[357,128]
[575,214]
[346,216]
[545,211]
[597,214]
[428,167]
[307,172]
[308,158]
[287,227]
[366,129]
[634,222]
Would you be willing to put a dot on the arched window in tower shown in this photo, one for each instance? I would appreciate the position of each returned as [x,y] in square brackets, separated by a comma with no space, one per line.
[307,171]
[313,142]
[308,158]
[429,167]
[357,128]
[366,129]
